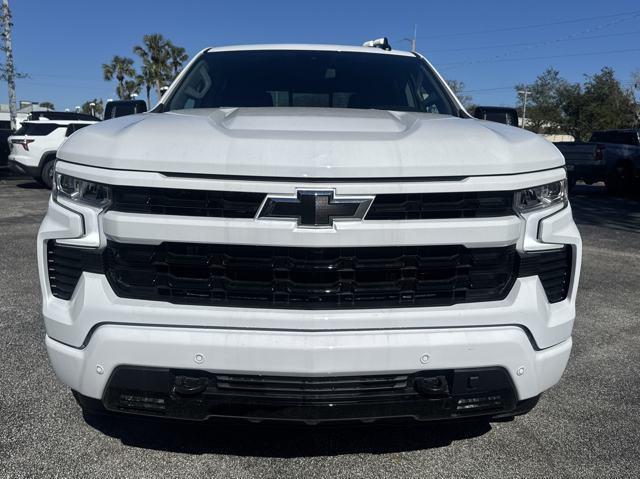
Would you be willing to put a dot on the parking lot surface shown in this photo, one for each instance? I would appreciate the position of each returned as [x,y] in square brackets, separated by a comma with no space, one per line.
[587,426]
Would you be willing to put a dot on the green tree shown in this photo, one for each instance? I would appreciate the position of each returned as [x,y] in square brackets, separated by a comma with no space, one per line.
[177,57]
[120,68]
[544,102]
[155,60]
[458,88]
[96,109]
[571,103]
[606,104]
[47,104]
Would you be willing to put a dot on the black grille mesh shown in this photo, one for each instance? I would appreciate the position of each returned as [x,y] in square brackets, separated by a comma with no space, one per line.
[308,278]
[417,206]
[234,204]
[553,267]
[320,278]
[65,264]
[181,202]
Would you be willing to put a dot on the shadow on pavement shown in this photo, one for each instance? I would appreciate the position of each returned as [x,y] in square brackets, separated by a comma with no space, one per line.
[31,185]
[593,206]
[262,440]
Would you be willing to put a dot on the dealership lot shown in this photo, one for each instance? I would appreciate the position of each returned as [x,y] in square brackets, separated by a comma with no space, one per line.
[587,426]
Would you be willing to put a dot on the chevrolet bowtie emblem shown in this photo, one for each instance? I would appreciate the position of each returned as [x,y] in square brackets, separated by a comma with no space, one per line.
[316,208]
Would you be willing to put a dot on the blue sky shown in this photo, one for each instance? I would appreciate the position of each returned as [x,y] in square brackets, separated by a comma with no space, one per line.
[490,45]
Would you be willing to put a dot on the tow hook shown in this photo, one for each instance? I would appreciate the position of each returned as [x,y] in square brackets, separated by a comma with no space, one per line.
[190,386]
[432,386]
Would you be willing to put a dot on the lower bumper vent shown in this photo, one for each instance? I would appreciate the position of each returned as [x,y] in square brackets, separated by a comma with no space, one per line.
[198,395]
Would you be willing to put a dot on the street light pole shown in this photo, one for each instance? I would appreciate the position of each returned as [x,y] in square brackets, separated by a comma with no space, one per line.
[413,40]
[9,68]
[524,92]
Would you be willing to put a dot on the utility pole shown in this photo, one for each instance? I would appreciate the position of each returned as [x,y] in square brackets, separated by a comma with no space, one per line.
[524,92]
[9,68]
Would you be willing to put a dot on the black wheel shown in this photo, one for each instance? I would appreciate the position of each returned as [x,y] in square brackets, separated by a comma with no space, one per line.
[620,180]
[46,176]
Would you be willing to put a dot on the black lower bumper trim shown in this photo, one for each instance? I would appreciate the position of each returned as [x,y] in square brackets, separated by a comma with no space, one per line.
[199,395]
[21,169]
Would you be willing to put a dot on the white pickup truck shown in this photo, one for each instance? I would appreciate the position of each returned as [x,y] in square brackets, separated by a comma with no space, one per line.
[308,233]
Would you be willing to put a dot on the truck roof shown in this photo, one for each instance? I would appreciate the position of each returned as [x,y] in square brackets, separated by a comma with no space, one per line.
[303,46]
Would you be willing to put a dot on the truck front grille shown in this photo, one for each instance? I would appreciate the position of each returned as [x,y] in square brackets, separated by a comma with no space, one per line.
[420,206]
[182,202]
[310,278]
[236,204]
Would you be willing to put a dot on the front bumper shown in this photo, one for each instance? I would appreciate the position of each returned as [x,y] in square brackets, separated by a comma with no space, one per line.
[310,354]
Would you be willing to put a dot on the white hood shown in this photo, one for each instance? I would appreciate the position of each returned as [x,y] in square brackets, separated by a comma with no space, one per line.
[309,143]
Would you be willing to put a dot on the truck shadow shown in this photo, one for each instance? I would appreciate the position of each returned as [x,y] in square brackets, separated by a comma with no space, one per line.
[593,206]
[288,441]
[31,185]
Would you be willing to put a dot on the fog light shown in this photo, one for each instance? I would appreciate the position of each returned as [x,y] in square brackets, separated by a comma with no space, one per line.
[141,403]
[480,402]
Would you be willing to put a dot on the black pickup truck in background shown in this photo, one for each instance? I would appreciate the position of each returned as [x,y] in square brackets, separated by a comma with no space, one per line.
[612,156]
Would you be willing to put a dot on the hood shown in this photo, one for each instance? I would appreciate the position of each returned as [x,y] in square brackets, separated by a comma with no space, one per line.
[309,143]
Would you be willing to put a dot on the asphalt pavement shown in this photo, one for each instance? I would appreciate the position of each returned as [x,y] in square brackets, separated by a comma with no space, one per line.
[586,426]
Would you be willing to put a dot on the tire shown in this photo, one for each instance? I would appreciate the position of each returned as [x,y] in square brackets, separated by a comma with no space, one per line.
[46,175]
[620,180]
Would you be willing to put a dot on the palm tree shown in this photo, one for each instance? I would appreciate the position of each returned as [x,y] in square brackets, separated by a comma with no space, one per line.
[132,87]
[96,109]
[155,59]
[177,56]
[147,80]
[121,68]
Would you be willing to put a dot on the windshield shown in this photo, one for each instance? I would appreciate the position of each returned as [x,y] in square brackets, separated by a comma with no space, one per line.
[323,79]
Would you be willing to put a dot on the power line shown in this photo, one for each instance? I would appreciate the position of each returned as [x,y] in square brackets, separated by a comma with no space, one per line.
[543,57]
[525,27]
[505,45]
[571,36]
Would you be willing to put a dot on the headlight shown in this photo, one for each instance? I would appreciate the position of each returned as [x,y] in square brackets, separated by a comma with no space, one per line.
[540,197]
[81,191]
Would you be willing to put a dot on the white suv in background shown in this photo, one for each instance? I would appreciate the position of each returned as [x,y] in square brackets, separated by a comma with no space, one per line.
[308,233]
[34,145]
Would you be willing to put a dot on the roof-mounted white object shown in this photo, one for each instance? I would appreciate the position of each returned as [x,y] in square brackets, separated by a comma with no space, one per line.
[382,43]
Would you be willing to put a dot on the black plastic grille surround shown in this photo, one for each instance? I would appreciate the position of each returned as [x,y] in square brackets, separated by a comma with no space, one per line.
[182,202]
[235,204]
[553,267]
[420,206]
[309,278]
[65,265]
